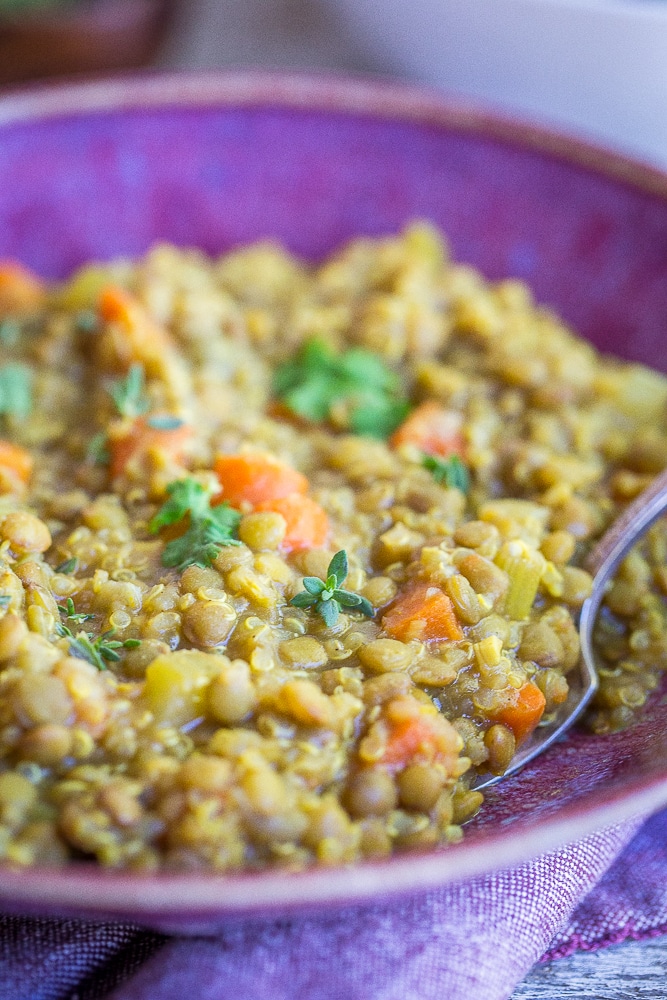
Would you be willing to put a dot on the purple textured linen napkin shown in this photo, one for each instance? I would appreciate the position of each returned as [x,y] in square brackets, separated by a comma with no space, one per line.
[629,903]
[478,938]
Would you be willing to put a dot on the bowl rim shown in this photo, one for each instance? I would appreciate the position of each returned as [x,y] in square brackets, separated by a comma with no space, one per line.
[363,95]
[93,892]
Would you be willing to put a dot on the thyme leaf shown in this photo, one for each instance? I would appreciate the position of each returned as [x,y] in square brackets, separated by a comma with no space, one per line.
[129,393]
[67,567]
[85,646]
[327,598]
[450,472]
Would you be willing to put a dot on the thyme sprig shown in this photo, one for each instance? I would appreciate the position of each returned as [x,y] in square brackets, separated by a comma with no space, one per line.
[327,598]
[450,472]
[99,650]
[71,614]
[129,393]
[67,567]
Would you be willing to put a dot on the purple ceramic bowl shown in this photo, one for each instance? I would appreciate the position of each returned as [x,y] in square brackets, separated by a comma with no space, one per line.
[101,169]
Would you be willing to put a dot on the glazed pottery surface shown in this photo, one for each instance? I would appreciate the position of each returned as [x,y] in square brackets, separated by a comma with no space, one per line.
[108,168]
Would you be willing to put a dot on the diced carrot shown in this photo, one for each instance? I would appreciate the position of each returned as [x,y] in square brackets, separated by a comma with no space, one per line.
[406,740]
[135,335]
[433,429]
[117,305]
[21,291]
[408,731]
[16,460]
[256,478]
[422,612]
[307,522]
[132,442]
[523,715]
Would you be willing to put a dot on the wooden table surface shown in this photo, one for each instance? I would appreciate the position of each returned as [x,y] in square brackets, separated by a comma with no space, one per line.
[306,34]
[636,970]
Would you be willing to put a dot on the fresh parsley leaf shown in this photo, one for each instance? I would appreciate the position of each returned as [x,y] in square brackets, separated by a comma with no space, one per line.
[15,391]
[450,472]
[186,496]
[327,597]
[129,393]
[378,416]
[208,530]
[357,383]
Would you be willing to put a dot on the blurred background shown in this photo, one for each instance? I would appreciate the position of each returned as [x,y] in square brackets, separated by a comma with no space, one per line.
[596,67]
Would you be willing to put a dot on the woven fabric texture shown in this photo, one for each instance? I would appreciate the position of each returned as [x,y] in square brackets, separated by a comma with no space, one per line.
[478,938]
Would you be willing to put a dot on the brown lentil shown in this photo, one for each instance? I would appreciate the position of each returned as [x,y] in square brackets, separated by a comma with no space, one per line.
[242,730]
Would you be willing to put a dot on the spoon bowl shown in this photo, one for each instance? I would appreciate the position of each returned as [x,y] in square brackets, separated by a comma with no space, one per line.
[602,562]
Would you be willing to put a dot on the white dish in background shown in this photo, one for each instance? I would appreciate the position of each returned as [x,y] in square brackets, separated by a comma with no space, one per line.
[598,66]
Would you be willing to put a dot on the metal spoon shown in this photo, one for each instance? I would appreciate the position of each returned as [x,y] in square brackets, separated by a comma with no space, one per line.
[603,562]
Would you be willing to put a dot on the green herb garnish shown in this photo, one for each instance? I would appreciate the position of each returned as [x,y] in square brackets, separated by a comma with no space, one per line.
[71,614]
[131,402]
[326,596]
[97,451]
[129,393]
[356,385]
[165,423]
[15,391]
[87,321]
[209,527]
[100,651]
[10,331]
[67,567]
[5,600]
[450,472]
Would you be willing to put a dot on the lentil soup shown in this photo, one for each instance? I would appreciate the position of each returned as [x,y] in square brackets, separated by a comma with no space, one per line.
[291,554]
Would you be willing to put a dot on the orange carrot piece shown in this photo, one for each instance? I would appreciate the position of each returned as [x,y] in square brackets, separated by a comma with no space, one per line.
[141,338]
[413,731]
[21,291]
[406,740]
[422,612]
[307,522]
[117,305]
[132,442]
[433,429]
[256,478]
[524,714]
[16,460]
